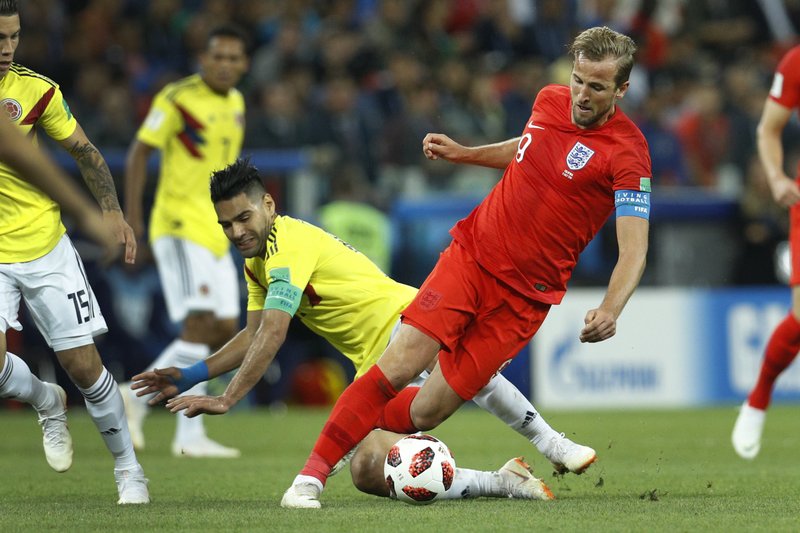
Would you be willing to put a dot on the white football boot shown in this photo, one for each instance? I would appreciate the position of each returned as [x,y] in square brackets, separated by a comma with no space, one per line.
[56,438]
[518,480]
[747,430]
[568,456]
[132,486]
[301,496]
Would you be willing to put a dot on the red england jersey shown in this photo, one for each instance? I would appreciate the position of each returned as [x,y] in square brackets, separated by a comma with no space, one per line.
[785,88]
[554,196]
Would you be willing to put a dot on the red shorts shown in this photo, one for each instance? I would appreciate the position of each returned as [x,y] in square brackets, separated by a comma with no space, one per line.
[480,322]
[794,244]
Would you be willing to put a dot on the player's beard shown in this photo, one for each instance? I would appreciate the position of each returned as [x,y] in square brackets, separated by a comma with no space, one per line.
[586,122]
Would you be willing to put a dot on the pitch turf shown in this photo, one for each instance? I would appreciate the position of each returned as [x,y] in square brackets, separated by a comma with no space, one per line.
[657,471]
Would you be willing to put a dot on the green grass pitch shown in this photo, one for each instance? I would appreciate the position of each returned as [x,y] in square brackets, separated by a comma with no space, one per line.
[657,471]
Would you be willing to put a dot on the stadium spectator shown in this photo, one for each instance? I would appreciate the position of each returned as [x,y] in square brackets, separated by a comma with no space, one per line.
[351,216]
[485,299]
[706,135]
[197,124]
[296,269]
[39,264]
[784,343]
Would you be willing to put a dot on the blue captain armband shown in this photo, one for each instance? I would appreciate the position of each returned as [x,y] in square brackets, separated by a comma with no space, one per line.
[632,204]
[191,376]
[284,296]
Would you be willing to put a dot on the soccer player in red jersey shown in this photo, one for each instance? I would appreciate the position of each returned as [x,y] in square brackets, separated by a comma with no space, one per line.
[578,158]
[783,345]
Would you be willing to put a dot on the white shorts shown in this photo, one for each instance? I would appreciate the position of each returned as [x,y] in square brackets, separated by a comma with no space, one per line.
[57,294]
[194,279]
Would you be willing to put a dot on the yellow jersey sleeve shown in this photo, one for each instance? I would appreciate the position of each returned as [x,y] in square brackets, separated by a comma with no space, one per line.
[346,299]
[57,119]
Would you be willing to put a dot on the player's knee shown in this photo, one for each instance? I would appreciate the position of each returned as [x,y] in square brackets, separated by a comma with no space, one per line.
[366,469]
[82,365]
[427,419]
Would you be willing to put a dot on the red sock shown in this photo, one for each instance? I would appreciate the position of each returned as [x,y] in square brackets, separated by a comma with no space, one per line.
[397,413]
[351,419]
[781,350]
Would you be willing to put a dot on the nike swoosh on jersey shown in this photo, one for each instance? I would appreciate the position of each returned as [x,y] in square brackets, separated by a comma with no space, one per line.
[532,125]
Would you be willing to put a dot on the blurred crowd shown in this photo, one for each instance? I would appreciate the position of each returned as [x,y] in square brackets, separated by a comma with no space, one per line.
[356,84]
[363,80]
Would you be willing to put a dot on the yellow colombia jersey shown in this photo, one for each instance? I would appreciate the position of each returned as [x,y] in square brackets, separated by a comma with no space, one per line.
[198,132]
[30,222]
[346,298]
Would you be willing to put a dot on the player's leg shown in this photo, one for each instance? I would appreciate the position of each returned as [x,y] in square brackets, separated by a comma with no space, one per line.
[64,308]
[512,480]
[202,293]
[409,353]
[104,405]
[50,401]
[781,350]
[356,411]
[501,398]
[16,379]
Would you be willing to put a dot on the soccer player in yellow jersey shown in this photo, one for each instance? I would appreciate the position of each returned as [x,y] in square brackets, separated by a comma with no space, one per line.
[296,269]
[39,265]
[197,124]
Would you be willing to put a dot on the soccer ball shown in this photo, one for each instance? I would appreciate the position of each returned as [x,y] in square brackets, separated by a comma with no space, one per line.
[419,469]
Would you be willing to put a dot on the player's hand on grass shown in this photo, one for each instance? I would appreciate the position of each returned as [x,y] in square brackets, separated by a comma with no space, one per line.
[439,146]
[600,325]
[123,232]
[198,405]
[159,380]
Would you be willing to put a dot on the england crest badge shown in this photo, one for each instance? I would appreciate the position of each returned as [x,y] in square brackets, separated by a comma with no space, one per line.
[579,156]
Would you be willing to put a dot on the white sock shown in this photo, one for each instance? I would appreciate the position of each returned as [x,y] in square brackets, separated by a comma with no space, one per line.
[18,382]
[300,478]
[186,354]
[104,404]
[474,483]
[501,398]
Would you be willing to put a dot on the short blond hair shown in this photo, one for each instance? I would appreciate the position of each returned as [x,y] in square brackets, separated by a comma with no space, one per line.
[601,42]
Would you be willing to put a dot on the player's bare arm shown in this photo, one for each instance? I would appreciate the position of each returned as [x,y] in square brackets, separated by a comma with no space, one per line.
[785,191]
[36,167]
[497,155]
[162,381]
[135,181]
[262,350]
[632,237]
[98,178]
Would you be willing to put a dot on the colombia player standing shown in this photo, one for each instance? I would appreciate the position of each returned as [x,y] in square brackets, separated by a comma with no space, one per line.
[198,125]
[577,160]
[39,264]
[783,345]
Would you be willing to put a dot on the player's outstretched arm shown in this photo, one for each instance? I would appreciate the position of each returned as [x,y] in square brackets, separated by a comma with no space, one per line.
[167,383]
[135,182]
[497,155]
[98,178]
[632,236]
[37,168]
[774,117]
[262,350]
